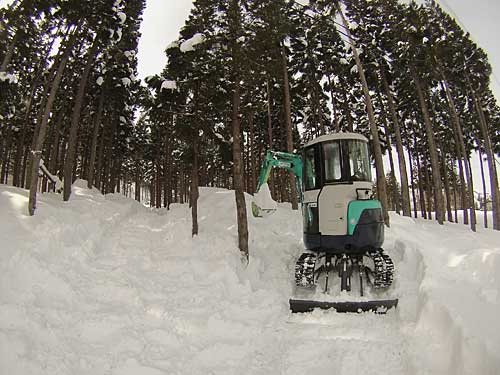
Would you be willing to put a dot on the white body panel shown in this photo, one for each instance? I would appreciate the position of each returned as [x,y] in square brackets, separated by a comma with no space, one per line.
[333,203]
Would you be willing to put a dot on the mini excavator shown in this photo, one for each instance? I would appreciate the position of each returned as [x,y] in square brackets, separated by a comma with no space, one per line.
[343,226]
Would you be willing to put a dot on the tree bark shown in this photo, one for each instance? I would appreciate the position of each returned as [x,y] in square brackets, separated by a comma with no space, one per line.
[483,180]
[234,15]
[194,185]
[289,128]
[10,52]
[253,163]
[495,196]
[405,194]
[457,128]
[95,135]
[37,151]
[436,174]
[75,118]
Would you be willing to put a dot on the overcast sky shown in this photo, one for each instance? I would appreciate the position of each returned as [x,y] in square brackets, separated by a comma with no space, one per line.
[164,18]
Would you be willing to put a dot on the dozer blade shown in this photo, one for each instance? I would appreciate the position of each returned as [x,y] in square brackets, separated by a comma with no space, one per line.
[378,307]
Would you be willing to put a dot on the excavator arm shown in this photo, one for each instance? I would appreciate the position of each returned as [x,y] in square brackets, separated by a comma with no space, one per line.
[278,159]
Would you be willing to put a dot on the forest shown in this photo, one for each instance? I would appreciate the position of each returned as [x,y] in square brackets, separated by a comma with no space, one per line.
[246,76]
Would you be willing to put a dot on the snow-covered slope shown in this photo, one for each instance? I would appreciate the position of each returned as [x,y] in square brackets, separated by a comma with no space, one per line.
[103,285]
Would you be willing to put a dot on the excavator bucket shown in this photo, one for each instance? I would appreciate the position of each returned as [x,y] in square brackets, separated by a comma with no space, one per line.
[261,212]
[378,307]
[262,203]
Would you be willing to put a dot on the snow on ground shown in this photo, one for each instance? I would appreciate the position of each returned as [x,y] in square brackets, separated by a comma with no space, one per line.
[104,285]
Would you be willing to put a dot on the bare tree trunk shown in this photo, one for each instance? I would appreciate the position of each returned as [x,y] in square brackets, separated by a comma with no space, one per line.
[457,126]
[455,188]
[379,163]
[253,163]
[483,180]
[241,209]
[412,185]
[194,185]
[100,159]
[405,194]
[473,219]
[436,175]
[37,151]
[10,52]
[75,118]
[395,193]
[495,196]
[93,144]
[419,177]
[335,121]
[289,129]
[446,187]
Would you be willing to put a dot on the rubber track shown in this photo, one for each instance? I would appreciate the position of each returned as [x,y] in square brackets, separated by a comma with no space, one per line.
[384,269]
[304,270]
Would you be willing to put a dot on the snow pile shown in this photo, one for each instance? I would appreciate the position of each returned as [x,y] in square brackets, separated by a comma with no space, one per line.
[104,285]
[189,44]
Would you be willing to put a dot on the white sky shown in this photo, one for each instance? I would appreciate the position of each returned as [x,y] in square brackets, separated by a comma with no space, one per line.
[163,20]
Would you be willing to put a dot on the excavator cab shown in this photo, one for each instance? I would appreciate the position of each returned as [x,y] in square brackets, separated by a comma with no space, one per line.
[343,227]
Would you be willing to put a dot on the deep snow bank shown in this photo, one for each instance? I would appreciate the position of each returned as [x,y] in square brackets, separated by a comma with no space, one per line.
[103,285]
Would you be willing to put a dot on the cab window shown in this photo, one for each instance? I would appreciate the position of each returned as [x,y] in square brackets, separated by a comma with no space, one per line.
[359,161]
[310,175]
[333,161]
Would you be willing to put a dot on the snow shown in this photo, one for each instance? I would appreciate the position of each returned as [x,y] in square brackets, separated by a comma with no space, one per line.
[126,81]
[4,76]
[174,44]
[100,81]
[122,16]
[129,54]
[189,44]
[168,85]
[104,285]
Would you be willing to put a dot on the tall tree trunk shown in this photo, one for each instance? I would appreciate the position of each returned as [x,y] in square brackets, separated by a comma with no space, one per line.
[253,162]
[455,188]
[483,180]
[419,179]
[446,187]
[436,175]
[335,120]
[379,163]
[289,129]
[10,52]
[37,151]
[93,143]
[194,185]
[100,157]
[234,20]
[473,219]
[412,185]
[457,128]
[272,178]
[495,196]
[405,194]
[75,118]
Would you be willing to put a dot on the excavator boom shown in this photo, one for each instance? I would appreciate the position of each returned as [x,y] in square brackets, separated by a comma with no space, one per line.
[277,159]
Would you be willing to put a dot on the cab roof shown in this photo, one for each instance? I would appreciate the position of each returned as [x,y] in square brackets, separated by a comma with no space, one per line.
[335,136]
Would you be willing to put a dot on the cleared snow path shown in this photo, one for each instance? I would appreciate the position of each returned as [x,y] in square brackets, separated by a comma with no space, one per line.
[103,285]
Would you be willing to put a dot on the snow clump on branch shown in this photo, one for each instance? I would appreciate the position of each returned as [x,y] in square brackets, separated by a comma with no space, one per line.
[189,44]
